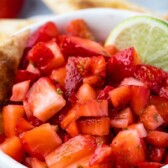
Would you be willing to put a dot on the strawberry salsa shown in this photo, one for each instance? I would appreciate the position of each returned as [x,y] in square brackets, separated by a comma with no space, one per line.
[78,104]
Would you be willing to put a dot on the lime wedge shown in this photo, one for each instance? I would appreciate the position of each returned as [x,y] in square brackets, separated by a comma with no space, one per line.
[147,34]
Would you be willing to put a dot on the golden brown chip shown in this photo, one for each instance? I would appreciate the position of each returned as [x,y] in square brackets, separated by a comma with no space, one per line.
[10,55]
[62,6]
[10,26]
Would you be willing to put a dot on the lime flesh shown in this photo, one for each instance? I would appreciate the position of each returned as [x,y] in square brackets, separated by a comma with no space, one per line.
[147,34]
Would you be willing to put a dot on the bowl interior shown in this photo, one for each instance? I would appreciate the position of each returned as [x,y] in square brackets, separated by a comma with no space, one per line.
[101,21]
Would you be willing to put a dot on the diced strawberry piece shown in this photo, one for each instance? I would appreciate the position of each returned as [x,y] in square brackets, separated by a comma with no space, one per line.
[164,92]
[83,162]
[139,127]
[64,135]
[153,77]
[120,97]
[121,119]
[98,66]
[40,141]
[35,163]
[43,99]
[120,65]
[94,80]
[27,109]
[139,98]
[94,126]
[24,75]
[46,56]
[155,154]
[59,76]
[73,129]
[104,94]
[161,105]
[19,91]
[33,69]
[149,165]
[127,148]
[13,147]
[85,93]
[73,79]
[158,139]
[44,33]
[75,46]
[79,28]
[23,125]
[102,154]
[92,108]
[131,81]
[97,72]
[34,121]
[11,114]
[71,151]
[151,118]
[84,65]
[111,49]
[2,137]
[166,158]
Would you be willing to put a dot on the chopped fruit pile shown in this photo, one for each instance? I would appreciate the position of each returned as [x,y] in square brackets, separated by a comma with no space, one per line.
[78,104]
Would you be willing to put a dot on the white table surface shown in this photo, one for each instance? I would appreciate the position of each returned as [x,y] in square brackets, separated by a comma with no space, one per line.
[36,7]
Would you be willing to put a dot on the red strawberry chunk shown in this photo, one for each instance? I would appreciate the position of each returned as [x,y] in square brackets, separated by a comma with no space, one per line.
[111,49]
[40,141]
[11,114]
[46,56]
[94,126]
[120,97]
[79,28]
[23,125]
[127,148]
[139,127]
[91,108]
[73,129]
[104,94]
[86,93]
[164,92]
[155,154]
[13,147]
[44,33]
[71,151]
[102,154]
[151,118]
[149,165]
[24,75]
[139,98]
[73,79]
[132,81]
[121,119]
[59,75]
[161,105]
[120,65]
[158,139]
[35,163]
[153,77]
[75,46]
[44,99]
[33,69]
[19,91]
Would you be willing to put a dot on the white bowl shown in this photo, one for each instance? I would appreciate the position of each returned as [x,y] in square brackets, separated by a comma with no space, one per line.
[101,21]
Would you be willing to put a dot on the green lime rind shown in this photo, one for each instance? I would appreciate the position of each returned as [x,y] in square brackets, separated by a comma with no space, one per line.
[147,34]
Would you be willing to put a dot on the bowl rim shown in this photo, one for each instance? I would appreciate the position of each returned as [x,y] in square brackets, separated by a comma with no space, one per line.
[55,17]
